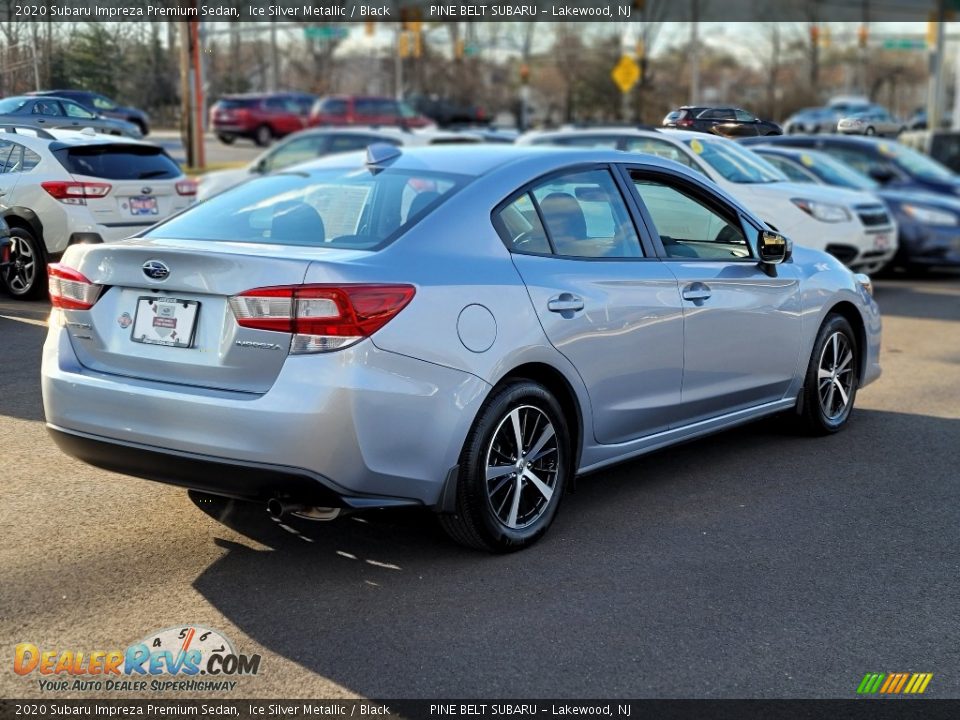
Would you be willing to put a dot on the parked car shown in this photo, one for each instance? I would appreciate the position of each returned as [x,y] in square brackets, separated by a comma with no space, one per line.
[726,121]
[316,341]
[853,226]
[812,120]
[941,145]
[446,112]
[928,224]
[55,112]
[889,163]
[317,142]
[102,105]
[63,188]
[365,110]
[918,121]
[874,121]
[261,117]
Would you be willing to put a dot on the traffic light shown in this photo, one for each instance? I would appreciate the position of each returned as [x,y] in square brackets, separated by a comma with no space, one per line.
[524,73]
[863,35]
[459,48]
[370,28]
[814,34]
[932,33]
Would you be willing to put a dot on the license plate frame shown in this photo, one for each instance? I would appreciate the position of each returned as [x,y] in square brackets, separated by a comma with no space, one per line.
[157,321]
[143,205]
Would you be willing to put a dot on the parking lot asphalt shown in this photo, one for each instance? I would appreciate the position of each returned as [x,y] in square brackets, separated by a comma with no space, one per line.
[753,563]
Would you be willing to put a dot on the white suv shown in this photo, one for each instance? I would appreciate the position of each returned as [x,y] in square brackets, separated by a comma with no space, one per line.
[63,187]
[853,226]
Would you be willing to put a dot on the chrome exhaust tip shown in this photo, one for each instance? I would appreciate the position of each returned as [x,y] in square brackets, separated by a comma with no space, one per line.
[278,508]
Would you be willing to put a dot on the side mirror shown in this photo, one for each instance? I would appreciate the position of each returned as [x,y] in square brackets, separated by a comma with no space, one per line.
[881,174]
[773,248]
[260,168]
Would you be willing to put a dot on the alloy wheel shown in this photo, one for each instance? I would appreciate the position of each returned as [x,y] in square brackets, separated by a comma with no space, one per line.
[836,376]
[22,270]
[523,462]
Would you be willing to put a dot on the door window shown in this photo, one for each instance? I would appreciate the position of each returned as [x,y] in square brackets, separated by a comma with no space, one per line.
[75,111]
[744,116]
[687,227]
[293,152]
[14,161]
[585,216]
[520,227]
[348,143]
[47,107]
[5,147]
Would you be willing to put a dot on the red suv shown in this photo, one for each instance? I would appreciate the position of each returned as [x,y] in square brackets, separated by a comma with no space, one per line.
[260,117]
[365,110]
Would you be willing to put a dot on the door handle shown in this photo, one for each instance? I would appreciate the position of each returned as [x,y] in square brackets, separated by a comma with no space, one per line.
[696,291]
[565,302]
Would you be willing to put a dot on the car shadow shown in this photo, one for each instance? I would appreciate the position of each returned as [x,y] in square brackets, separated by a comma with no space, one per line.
[22,331]
[750,556]
[934,297]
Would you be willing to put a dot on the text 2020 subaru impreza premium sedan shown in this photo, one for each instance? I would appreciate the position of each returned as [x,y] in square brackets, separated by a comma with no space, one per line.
[462,328]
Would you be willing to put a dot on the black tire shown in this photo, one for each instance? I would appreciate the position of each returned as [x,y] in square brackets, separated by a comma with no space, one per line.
[476,522]
[263,136]
[144,130]
[869,131]
[25,277]
[821,414]
[226,139]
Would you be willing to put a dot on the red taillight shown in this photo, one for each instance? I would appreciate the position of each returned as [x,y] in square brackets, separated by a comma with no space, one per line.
[69,289]
[321,317]
[75,193]
[187,187]
[685,122]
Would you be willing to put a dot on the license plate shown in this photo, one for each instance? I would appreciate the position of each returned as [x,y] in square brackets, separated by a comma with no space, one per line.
[881,242]
[165,321]
[143,205]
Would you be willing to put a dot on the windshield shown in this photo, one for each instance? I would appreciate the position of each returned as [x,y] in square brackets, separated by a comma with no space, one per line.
[9,105]
[735,163]
[833,172]
[915,163]
[338,208]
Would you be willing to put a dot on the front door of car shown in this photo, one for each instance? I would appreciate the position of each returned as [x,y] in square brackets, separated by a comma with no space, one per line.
[610,308]
[742,326]
[11,159]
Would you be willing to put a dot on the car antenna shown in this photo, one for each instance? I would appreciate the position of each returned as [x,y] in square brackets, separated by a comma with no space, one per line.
[379,154]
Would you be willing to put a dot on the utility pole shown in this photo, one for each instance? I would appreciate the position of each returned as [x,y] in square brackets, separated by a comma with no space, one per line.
[935,85]
[186,122]
[199,155]
[695,52]
[274,58]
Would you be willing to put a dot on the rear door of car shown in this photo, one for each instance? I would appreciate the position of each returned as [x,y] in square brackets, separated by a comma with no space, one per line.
[604,301]
[742,326]
[283,114]
[11,157]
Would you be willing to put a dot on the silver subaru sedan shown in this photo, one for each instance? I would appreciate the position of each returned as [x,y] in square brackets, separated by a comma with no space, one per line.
[459,328]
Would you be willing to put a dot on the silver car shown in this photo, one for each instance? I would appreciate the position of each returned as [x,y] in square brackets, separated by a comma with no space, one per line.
[459,328]
[875,121]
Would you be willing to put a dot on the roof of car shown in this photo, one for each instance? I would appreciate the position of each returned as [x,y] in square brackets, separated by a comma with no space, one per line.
[63,138]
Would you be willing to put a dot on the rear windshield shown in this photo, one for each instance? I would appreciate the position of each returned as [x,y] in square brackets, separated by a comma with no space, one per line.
[340,208]
[118,162]
[9,105]
[236,103]
[675,115]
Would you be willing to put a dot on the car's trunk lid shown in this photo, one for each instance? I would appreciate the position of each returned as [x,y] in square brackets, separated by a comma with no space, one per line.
[181,329]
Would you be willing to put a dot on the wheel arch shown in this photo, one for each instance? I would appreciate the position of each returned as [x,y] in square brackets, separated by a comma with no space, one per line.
[26,219]
[561,388]
[851,314]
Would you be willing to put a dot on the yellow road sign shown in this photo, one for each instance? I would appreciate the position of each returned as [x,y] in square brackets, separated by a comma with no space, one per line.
[626,73]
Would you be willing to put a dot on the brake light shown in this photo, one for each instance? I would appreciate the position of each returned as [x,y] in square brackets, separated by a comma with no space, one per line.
[321,318]
[69,289]
[187,187]
[685,122]
[75,193]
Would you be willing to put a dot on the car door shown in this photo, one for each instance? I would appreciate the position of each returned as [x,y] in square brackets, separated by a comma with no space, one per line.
[746,125]
[742,326]
[75,115]
[609,306]
[720,121]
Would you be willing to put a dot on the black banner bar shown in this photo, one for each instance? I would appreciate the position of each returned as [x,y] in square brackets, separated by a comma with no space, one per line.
[354,11]
[854,709]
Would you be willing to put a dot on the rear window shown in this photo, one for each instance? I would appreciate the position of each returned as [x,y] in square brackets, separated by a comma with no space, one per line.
[118,162]
[338,208]
[10,105]
[332,106]
[675,115]
[238,103]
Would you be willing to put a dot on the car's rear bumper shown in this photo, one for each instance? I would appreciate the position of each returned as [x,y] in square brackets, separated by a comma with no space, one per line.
[359,422]
[220,476]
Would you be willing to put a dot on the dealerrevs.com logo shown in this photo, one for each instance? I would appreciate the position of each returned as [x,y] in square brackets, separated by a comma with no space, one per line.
[183,658]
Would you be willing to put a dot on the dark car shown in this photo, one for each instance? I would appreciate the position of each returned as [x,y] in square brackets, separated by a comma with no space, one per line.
[102,105]
[893,165]
[365,110]
[928,224]
[446,113]
[260,117]
[726,121]
[55,112]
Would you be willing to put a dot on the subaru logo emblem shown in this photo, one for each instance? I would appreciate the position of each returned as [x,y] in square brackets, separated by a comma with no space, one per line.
[156,270]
